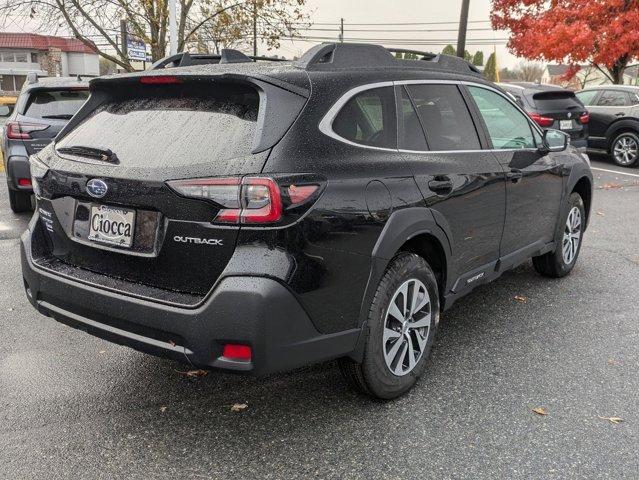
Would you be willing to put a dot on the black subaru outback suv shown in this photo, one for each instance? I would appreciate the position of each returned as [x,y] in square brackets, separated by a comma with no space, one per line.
[253,216]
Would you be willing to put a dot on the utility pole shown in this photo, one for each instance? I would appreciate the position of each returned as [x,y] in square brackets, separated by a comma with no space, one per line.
[463,25]
[341,30]
[173,45]
[255,28]
[124,37]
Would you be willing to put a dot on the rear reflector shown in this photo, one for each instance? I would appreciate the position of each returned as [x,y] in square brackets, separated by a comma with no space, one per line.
[233,351]
[24,182]
[160,80]
[585,118]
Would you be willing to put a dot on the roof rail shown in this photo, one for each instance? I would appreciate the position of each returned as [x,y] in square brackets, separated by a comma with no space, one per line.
[343,56]
[227,55]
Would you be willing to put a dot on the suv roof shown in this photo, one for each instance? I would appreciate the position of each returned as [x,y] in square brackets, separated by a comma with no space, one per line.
[370,62]
[55,82]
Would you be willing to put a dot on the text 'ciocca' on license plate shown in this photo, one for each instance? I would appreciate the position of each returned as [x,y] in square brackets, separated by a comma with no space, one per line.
[112,225]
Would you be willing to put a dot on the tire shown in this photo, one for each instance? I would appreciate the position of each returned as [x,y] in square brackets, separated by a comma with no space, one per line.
[562,260]
[624,149]
[407,274]
[20,201]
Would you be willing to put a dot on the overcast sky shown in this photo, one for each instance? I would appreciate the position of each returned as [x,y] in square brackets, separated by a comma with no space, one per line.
[399,12]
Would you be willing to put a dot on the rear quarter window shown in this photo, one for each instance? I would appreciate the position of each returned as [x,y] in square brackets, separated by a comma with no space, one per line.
[369,119]
[180,126]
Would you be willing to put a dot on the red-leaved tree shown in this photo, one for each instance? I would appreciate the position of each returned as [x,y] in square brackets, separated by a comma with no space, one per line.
[602,33]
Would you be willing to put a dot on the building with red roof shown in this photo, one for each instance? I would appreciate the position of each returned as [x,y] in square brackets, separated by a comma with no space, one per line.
[45,55]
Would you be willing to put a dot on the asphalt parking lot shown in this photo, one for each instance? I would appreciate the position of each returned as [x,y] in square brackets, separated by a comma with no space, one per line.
[73,406]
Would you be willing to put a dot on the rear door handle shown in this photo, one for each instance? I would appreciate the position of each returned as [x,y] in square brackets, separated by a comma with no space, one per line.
[441,185]
[515,175]
[620,114]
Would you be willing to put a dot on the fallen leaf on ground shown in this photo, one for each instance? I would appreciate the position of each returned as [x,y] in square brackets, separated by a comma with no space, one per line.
[172,343]
[102,351]
[540,411]
[612,361]
[10,309]
[194,373]
[614,420]
[610,186]
[600,213]
[162,409]
[238,407]
[521,298]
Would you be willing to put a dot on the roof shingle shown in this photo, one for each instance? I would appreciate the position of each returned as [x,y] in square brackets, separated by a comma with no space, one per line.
[34,41]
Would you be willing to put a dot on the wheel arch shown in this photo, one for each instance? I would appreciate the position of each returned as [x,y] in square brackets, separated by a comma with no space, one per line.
[583,187]
[415,230]
[618,127]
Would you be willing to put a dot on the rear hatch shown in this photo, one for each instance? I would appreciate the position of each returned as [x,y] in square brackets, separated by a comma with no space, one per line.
[116,164]
[45,113]
[561,110]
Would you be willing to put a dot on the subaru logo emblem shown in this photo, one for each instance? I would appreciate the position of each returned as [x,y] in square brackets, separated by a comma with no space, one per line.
[97,188]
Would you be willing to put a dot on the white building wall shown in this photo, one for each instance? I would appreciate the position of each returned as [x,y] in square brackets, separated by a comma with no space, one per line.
[64,64]
[82,64]
[18,67]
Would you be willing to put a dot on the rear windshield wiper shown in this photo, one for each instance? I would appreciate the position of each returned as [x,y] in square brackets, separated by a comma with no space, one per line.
[62,116]
[106,155]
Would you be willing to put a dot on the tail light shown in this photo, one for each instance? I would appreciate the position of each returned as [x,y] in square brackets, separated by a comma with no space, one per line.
[21,131]
[541,120]
[585,118]
[248,200]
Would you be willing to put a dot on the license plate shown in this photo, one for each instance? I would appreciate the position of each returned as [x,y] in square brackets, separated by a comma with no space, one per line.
[565,124]
[112,225]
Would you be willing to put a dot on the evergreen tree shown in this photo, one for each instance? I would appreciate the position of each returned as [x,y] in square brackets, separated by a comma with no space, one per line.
[490,71]
[449,50]
[478,59]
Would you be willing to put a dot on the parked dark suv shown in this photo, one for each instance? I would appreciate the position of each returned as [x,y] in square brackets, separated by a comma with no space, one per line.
[44,106]
[256,216]
[614,110]
[553,107]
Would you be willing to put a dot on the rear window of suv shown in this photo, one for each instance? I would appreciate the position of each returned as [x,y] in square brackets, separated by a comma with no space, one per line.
[176,126]
[555,101]
[55,104]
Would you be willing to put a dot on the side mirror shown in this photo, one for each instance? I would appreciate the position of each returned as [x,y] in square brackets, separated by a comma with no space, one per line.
[555,141]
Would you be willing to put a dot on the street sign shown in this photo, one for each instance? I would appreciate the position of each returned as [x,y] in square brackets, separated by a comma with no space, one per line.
[136,49]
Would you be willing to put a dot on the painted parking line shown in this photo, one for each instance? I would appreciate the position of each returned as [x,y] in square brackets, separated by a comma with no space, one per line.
[614,171]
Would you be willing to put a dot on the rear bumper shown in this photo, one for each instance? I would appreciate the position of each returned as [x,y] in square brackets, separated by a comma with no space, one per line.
[17,168]
[255,311]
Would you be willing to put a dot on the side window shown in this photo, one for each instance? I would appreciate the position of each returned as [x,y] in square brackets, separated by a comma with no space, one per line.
[587,97]
[507,126]
[445,117]
[612,98]
[634,98]
[369,119]
[411,136]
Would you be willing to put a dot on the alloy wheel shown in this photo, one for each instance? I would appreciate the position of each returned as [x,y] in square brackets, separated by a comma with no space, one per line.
[407,326]
[572,235]
[626,150]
